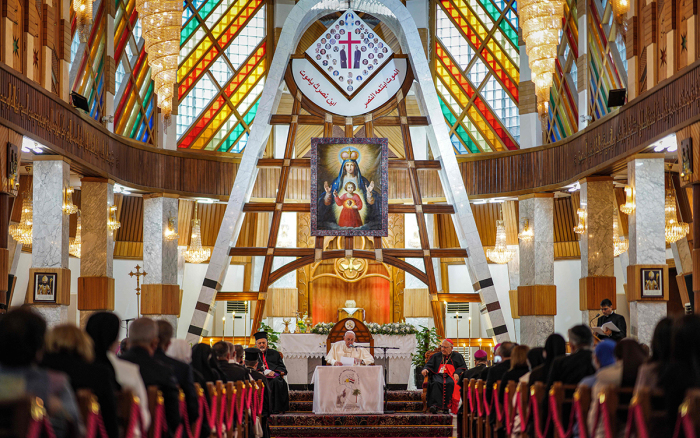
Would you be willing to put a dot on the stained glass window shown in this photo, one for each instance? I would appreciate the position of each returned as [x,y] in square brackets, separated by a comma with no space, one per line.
[223,62]
[477,73]
[135,99]
[87,65]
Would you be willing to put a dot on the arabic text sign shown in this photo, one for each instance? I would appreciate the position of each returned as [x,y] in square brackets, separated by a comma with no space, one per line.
[383,86]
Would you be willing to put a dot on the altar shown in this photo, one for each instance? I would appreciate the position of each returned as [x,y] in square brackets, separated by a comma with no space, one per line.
[303,353]
[348,390]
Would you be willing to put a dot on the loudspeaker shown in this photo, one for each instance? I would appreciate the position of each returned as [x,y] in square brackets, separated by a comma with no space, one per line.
[80,102]
[617,97]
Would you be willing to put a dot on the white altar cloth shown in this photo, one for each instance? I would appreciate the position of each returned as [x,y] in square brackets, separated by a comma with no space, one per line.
[302,353]
[348,390]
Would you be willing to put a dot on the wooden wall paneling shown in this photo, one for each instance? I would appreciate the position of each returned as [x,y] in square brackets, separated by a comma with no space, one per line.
[185,209]
[417,303]
[511,221]
[25,183]
[130,214]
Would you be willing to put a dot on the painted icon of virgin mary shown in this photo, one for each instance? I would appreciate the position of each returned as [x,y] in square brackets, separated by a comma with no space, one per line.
[350,177]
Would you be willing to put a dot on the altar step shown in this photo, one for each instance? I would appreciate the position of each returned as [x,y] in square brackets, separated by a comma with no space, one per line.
[383,425]
[396,406]
[392,396]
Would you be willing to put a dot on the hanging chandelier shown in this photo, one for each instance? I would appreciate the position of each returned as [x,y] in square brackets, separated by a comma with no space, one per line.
[580,228]
[620,8]
[674,230]
[68,206]
[76,243]
[541,23]
[195,253]
[161,21]
[22,232]
[619,244]
[112,223]
[527,234]
[500,253]
[629,206]
[83,17]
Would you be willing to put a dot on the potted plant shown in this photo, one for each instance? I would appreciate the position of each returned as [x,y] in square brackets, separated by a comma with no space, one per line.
[427,340]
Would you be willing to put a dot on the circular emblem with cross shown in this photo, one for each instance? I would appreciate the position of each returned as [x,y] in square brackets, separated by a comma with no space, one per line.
[350,324]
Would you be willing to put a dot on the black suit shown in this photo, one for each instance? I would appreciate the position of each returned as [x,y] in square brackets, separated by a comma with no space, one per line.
[185,378]
[619,321]
[279,391]
[155,373]
[569,370]
[233,372]
[495,374]
[474,373]
[92,376]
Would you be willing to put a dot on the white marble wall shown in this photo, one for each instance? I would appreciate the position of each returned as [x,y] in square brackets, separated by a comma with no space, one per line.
[97,253]
[536,263]
[160,257]
[647,237]
[50,228]
[597,255]
[647,223]
[537,255]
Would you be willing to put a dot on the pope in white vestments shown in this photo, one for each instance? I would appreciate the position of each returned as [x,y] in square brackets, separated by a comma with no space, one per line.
[345,348]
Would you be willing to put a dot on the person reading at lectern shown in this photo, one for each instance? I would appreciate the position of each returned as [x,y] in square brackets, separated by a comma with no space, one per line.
[347,348]
[443,369]
[270,361]
[610,316]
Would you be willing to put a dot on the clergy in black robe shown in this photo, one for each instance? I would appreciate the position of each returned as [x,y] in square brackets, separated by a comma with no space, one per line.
[481,363]
[610,316]
[357,58]
[443,370]
[252,355]
[274,370]
[343,59]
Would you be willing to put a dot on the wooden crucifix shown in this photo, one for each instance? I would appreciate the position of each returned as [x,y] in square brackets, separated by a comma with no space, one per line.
[138,285]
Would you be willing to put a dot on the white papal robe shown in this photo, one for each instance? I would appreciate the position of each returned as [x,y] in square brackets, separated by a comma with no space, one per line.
[339,349]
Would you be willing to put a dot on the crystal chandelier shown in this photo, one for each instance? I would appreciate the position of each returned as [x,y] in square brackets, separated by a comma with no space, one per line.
[22,232]
[674,230]
[112,223]
[628,207]
[195,253]
[68,206]
[619,244]
[527,234]
[620,8]
[500,253]
[170,233]
[161,21]
[76,243]
[83,17]
[541,23]
[581,227]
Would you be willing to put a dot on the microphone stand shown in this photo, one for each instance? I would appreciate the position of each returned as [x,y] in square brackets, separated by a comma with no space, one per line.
[386,379]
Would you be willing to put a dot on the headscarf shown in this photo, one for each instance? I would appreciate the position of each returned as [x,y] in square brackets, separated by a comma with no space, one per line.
[103,328]
[555,346]
[632,355]
[535,357]
[180,350]
[201,354]
[605,352]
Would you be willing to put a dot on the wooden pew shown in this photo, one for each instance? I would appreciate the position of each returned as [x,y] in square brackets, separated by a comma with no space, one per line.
[563,406]
[507,408]
[240,400]
[89,408]
[482,420]
[582,397]
[617,401]
[467,412]
[647,417]
[125,405]
[689,414]
[155,402]
[538,417]
[230,417]
[16,416]
[523,406]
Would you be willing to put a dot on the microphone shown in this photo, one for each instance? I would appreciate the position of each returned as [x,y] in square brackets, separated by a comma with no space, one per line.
[589,322]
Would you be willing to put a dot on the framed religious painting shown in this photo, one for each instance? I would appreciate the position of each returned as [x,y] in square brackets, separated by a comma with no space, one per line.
[45,287]
[652,282]
[349,186]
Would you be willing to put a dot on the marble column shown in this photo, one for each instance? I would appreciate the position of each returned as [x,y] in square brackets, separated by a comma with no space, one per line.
[530,125]
[160,295]
[683,258]
[96,282]
[647,248]
[597,255]
[537,294]
[50,240]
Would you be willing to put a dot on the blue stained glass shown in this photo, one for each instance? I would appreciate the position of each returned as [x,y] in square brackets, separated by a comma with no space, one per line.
[137,30]
[197,3]
[119,76]
[74,45]
[186,14]
[241,144]
[458,145]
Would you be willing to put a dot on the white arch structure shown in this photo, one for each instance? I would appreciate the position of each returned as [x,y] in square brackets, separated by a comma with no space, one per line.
[395,15]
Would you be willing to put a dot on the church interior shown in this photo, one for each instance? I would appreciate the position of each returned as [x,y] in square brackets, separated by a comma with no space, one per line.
[472,179]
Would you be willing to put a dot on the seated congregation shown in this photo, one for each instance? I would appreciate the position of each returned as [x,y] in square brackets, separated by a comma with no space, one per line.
[607,389]
[68,382]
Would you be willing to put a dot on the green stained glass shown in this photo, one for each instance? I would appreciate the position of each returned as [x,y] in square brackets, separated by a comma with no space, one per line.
[467,140]
[507,29]
[188,29]
[232,137]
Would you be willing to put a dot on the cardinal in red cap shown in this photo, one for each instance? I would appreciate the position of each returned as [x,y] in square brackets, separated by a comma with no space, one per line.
[443,370]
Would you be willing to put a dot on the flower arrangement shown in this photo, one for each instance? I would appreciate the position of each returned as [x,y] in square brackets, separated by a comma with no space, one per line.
[392,328]
[322,328]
